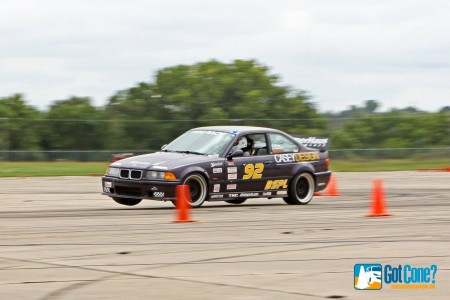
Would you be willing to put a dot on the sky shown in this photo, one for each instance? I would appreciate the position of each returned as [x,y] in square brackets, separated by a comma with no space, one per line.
[341,52]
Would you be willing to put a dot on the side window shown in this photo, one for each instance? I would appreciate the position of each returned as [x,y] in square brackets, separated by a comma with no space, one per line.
[259,144]
[281,144]
[251,144]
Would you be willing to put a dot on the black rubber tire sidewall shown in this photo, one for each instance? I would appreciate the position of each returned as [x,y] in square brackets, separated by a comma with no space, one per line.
[301,189]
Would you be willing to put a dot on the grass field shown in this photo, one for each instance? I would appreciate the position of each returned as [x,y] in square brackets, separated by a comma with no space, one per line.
[28,169]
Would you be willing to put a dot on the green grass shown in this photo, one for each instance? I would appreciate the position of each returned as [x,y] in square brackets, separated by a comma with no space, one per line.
[387,165]
[28,169]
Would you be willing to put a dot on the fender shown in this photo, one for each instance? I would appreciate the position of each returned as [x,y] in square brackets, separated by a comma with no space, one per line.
[304,167]
[194,169]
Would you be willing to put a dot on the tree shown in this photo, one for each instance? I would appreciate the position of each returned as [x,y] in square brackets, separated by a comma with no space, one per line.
[19,127]
[74,124]
[211,93]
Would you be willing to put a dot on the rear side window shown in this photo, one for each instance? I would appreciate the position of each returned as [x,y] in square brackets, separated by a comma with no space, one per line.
[281,144]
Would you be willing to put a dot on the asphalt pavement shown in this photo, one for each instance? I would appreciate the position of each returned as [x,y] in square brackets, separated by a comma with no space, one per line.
[61,239]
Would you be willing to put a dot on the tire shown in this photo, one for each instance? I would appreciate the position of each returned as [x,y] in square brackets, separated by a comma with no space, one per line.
[301,189]
[198,188]
[236,201]
[127,201]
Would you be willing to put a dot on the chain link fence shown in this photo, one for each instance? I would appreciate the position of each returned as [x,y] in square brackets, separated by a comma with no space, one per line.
[420,154]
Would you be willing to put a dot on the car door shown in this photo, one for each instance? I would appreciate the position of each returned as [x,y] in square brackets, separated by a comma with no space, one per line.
[250,174]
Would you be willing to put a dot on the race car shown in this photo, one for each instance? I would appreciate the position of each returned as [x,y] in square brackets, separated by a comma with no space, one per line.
[224,163]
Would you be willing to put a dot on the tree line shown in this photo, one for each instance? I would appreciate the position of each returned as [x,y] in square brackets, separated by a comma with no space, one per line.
[243,92]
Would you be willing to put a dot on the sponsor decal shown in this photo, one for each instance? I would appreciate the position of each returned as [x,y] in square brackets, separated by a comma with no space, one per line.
[158,194]
[232,169]
[374,276]
[253,171]
[217,170]
[267,194]
[216,196]
[231,186]
[106,190]
[282,193]
[108,184]
[232,176]
[313,142]
[296,157]
[154,188]
[207,132]
[248,194]
[233,195]
[231,163]
[216,188]
[276,184]
[216,164]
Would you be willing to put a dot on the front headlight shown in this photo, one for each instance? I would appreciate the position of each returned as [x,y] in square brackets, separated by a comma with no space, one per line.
[160,175]
[113,171]
[155,175]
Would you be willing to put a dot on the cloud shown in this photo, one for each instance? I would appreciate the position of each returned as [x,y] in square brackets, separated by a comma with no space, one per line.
[343,52]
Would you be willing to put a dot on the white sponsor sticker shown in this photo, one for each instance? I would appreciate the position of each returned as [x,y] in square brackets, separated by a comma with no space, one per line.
[216,188]
[267,193]
[233,195]
[231,186]
[281,192]
[232,176]
[217,170]
[216,164]
[108,184]
[216,196]
[158,194]
[232,169]
[249,194]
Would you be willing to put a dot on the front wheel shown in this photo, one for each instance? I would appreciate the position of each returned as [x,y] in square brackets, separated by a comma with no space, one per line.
[301,189]
[127,201]
[198,189]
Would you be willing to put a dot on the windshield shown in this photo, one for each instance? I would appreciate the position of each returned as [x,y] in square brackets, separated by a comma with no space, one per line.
[207,142]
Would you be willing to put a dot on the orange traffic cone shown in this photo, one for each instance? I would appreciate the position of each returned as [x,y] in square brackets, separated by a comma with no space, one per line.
[332,187]
[378,207]
[183,198]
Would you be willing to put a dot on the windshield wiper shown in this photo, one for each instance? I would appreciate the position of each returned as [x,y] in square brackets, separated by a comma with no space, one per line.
[192,152]
[184,151]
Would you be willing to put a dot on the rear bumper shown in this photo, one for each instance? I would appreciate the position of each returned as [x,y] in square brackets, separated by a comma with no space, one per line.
[139,189]
[322,179]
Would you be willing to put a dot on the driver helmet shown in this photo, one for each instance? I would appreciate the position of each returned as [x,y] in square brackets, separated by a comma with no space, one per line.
[242,142]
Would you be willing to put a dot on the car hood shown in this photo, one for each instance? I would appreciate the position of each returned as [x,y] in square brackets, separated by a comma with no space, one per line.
[162,161]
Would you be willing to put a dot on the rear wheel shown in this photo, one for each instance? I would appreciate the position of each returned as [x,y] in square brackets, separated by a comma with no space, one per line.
[198,188]
[301,189]
[236,201]
[127,201]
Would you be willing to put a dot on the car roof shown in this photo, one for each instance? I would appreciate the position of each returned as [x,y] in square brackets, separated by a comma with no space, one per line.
[238,129]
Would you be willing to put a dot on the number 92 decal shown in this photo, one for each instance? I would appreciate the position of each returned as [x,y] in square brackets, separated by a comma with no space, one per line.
[253,171]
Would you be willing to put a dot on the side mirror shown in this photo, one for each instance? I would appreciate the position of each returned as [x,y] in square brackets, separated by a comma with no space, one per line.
[235,153]
[163,146]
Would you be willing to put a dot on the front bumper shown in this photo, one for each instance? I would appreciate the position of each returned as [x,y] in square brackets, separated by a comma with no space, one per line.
[139,189]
